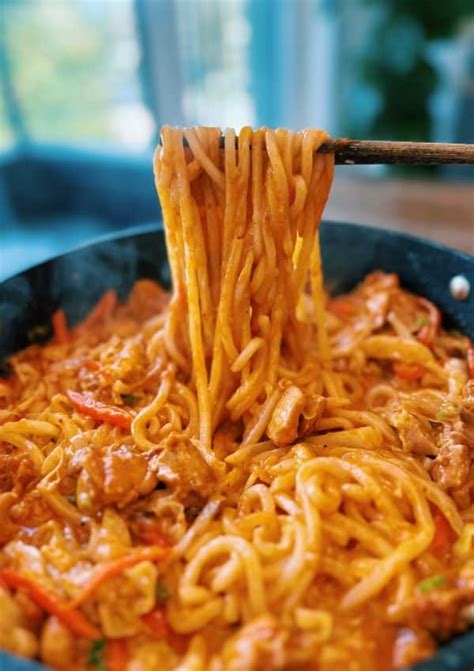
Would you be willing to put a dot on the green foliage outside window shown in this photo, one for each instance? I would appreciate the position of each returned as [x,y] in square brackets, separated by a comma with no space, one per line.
[61,58]
[395,63]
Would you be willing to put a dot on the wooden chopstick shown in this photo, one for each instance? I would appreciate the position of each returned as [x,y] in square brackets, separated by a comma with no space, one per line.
[370,152]
[384,152]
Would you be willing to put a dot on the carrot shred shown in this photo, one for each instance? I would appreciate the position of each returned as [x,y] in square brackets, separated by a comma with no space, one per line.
[101,412]
[107,570]
[61,332]
[409,372]
[116,654]
[71,618]
[156,622]
[444,536]
[428,333]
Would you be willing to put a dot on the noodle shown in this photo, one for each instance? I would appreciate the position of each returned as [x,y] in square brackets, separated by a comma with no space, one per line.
[244,474]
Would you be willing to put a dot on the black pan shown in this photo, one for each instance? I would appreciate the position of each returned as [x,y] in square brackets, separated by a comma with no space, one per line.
[76,280]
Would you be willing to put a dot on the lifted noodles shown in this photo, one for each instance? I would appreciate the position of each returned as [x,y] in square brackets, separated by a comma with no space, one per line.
[244,474]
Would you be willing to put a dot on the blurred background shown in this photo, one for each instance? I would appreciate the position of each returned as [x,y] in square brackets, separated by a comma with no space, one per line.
[86,84]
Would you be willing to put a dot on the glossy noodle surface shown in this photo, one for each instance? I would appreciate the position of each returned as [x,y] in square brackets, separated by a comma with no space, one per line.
[244,474]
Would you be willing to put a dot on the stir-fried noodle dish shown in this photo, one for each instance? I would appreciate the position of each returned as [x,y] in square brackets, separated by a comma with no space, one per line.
[245,473]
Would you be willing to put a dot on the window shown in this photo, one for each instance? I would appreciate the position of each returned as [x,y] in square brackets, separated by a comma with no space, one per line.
[73,68]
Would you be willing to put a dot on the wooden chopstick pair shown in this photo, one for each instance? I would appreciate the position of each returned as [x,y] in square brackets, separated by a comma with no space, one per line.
[349,152]
[372,152]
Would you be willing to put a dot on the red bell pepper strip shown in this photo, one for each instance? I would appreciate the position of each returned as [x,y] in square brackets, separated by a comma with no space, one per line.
[444,536]
[342,307]
[410,372]
[470,360]
[116,654]
[148,533]
[156,622]
[101,412]
[92,365]
[70,617]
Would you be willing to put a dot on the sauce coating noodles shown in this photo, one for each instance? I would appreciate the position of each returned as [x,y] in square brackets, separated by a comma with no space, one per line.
[243,474]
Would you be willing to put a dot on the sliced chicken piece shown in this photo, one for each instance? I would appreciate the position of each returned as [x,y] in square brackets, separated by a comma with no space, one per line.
[451,466]
[414,435]
[295,415]
[179,464]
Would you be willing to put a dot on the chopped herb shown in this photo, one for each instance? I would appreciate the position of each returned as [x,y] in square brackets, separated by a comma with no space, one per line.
[422,321]
[432,583]
[72,498]
[130,399]
[96,656]
[162,594]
